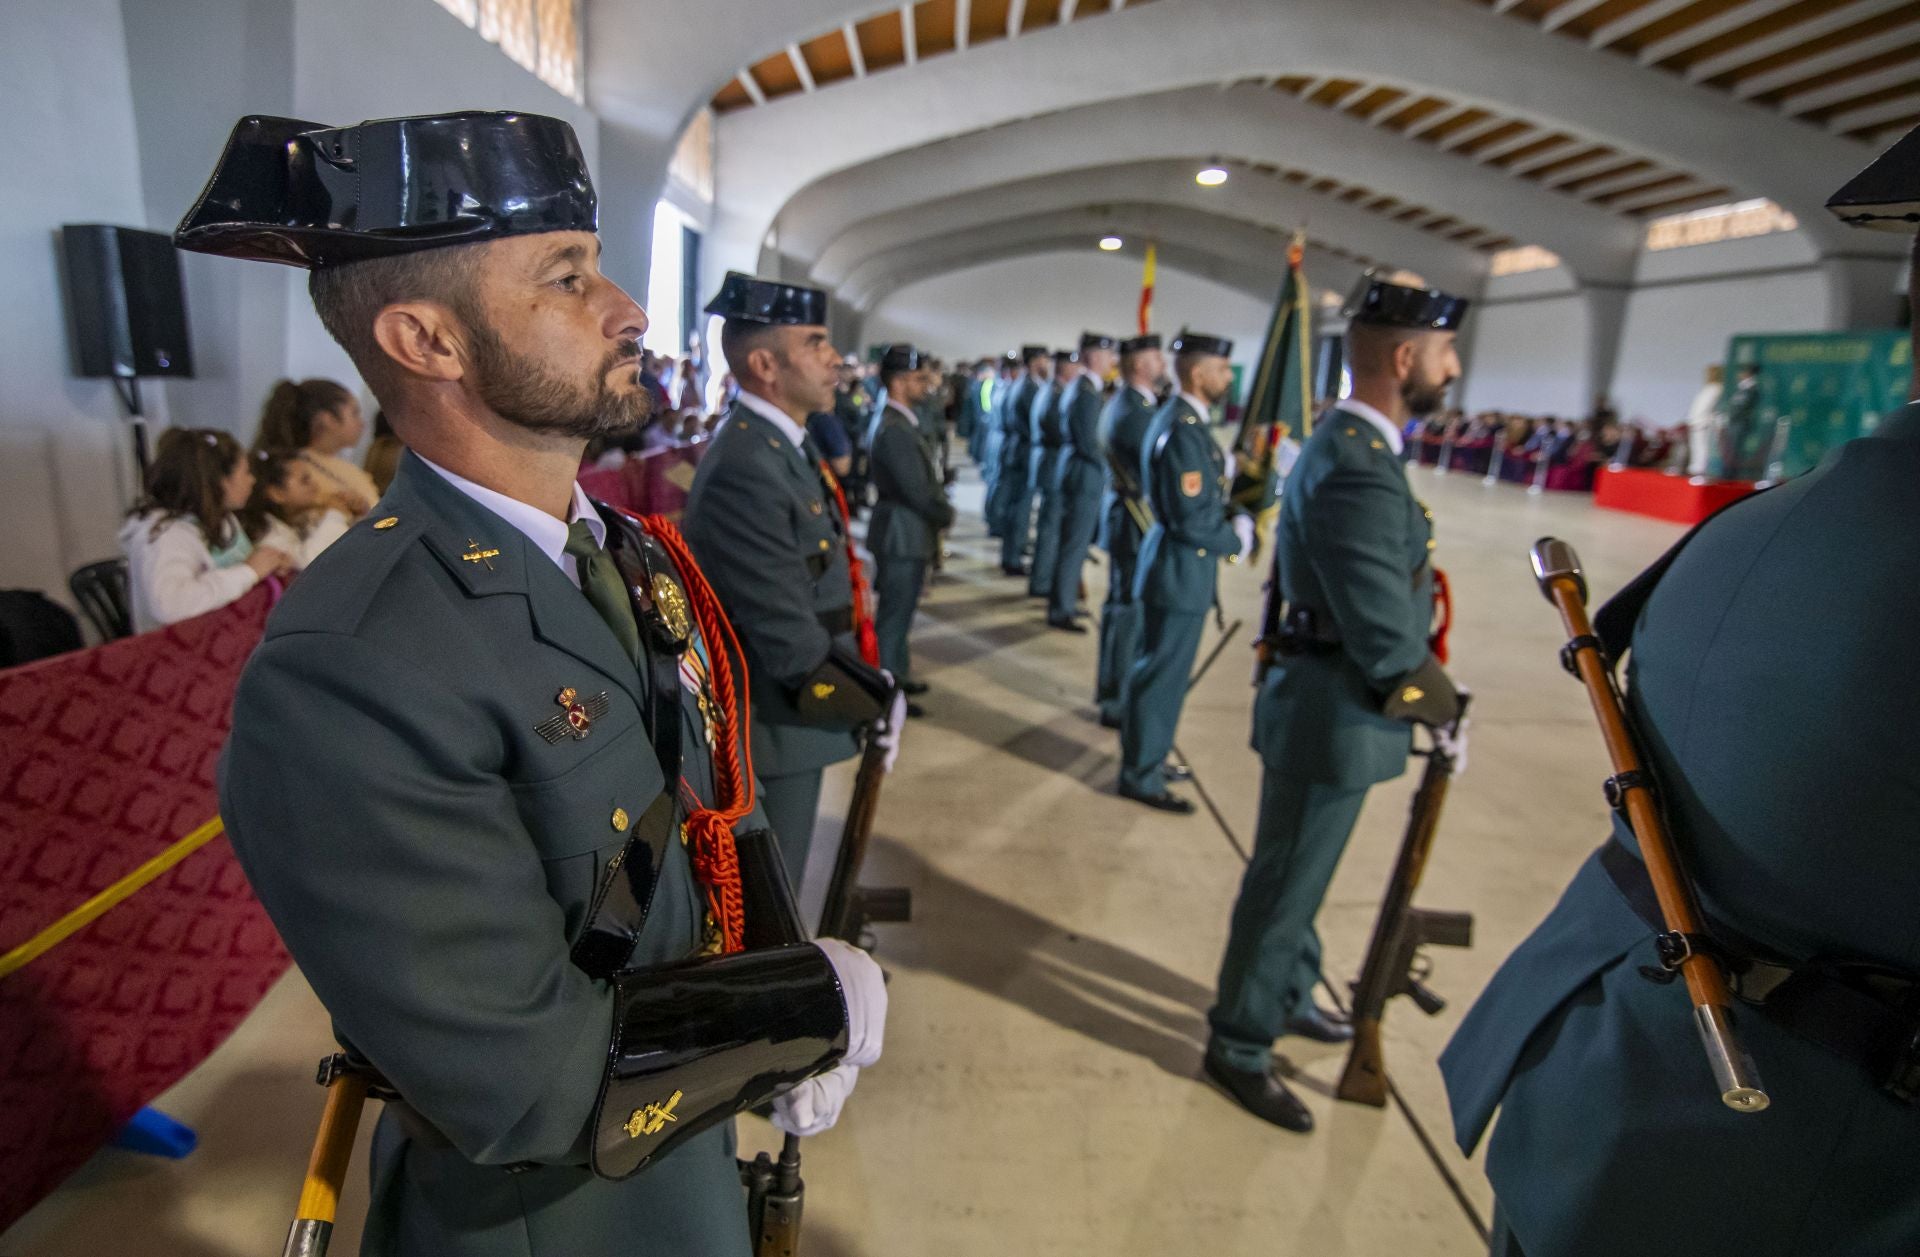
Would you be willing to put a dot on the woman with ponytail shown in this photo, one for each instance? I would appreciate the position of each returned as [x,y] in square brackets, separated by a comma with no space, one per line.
[186,551]
[319,419]
[288,508]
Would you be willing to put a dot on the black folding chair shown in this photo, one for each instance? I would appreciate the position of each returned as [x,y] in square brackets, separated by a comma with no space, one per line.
[101,590]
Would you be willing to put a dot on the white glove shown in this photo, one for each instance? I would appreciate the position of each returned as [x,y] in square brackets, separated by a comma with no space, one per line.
[886,730]
[863,988]
[814,1105]
[1452,741]
[1243,529]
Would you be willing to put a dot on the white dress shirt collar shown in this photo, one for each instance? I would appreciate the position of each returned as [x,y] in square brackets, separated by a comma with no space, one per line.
[1200,408]
[911,417]
[775,416]
[1354,406]
[548,535]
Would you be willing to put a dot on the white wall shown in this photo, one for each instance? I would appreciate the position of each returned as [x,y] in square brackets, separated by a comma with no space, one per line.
[1050,298]
[1529,356]
[69,152]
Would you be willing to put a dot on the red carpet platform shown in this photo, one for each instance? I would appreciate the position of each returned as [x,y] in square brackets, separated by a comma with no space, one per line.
[1677,498]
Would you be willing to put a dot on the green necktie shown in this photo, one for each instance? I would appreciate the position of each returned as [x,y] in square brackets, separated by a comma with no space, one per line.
[600,582]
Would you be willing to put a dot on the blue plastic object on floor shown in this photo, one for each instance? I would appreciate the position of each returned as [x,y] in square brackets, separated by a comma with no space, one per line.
[154,1133]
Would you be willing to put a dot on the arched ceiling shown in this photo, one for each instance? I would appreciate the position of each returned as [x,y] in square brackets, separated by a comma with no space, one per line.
[1268,201]
[1236,255]
[1247,124]
[1478,106]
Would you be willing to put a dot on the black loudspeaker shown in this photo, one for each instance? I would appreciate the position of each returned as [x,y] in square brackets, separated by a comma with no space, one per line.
[126,309]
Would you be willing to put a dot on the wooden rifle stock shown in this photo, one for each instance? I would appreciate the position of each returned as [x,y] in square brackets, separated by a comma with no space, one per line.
[312,1228]
[1398,934]
[848,908]
[1557,569]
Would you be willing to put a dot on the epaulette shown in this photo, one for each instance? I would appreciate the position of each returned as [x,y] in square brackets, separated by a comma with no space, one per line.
[334,592]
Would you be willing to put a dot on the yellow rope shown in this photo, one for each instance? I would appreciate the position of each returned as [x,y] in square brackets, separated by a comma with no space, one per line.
[93,909]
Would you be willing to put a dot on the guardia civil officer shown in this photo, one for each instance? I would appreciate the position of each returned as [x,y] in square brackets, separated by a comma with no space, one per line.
[910,511]
[1124,513]
[976,409]
[763,517]
[1770,681]
[1194,527]
[464,753]
[1003,383]
[1347,672]
[1013,512]
[1048,425]
[1080,471]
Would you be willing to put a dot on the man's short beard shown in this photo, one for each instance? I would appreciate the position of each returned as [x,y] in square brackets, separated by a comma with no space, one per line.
[1423,398]
[526,393]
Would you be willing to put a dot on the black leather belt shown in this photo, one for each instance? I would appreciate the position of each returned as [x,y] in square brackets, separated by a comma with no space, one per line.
[1300,634]
[836,622]
[1858,1010]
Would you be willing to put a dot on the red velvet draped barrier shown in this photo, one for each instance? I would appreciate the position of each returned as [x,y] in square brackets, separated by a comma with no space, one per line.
[107,759]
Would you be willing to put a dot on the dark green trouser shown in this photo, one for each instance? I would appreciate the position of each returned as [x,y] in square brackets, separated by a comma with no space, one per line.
[1273,953]
[1502,1242]
[1154,693]
[1046,519]
[792,805]
[896,583]
[1119,647]
[1079,516]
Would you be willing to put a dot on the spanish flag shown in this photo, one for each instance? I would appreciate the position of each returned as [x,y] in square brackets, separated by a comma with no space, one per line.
[1146,292]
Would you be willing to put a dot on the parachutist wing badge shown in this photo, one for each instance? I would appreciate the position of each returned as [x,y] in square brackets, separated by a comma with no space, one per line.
[576,717]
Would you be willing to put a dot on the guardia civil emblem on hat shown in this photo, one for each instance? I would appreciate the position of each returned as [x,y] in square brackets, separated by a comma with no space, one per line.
[1202,343]
[1140,344]
[755,300]
[1064,355]
[310,195]
[1094,340]
[1383,303]
[1886,195]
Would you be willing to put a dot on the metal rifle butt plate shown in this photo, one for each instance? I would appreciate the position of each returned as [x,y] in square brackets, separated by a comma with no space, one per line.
[308,1237]
[1733,1072]
[1553,559]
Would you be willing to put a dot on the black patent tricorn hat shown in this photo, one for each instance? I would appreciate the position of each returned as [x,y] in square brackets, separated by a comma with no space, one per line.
[1386,304]
[898,358]
[755,300]
[1094,340]
[1886,195]
[1029,352]
[1140,343]
[306,194]
[1201,343]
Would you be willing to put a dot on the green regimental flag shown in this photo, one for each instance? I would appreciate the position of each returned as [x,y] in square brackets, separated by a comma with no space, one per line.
[1281,399]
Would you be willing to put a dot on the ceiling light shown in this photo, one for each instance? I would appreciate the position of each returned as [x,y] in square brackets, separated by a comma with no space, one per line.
[1211,177]
[1111,243]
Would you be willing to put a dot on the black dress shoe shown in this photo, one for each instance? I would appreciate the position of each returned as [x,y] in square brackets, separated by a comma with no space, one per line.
[915,711]
[1163,801]
[1261,1093]
[1067,626]
[1176,772]
[1109,721]
[914,687]
[1319,1025]
[1015,570]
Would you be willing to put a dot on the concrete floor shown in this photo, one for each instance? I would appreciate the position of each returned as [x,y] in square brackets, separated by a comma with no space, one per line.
[1039,1091]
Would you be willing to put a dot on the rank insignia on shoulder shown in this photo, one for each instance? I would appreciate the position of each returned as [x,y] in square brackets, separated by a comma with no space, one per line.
[576,717]
[652,1119]
[481,554]
[1190,482]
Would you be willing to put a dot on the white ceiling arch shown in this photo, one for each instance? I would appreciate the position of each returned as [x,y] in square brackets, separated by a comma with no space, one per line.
[1235,254]
[1241,123]
[1465,51]
[1250,196]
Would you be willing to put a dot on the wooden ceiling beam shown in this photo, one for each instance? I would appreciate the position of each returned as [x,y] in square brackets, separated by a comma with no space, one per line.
[962,23]
[800,67]
[1836,58]
[854,53]
[1793,36]
[1848,89]
[751,86]
[1878,113]
[1607,34]
[1566,11]
[1016,13]
[909,35]
[1710,28]
[1474,132]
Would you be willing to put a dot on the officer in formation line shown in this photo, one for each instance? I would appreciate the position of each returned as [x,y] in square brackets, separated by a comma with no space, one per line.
[1194,527]
[911,508]
[1078,475]
[1771,680]
[763,519]
[974,410]
[486,698]
[1346,671]
[1012,514]
[1005,377]
[1124,513]
[1047,425]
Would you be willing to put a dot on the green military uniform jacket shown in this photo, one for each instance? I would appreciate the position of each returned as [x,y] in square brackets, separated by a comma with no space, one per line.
[1123,434]
[429,855]
[1183,472]
[1771,682]
[912,507]
[1353,547]
[1082,460]
[766,531]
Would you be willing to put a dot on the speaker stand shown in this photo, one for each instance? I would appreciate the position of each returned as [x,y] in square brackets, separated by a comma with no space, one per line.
[128,386]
